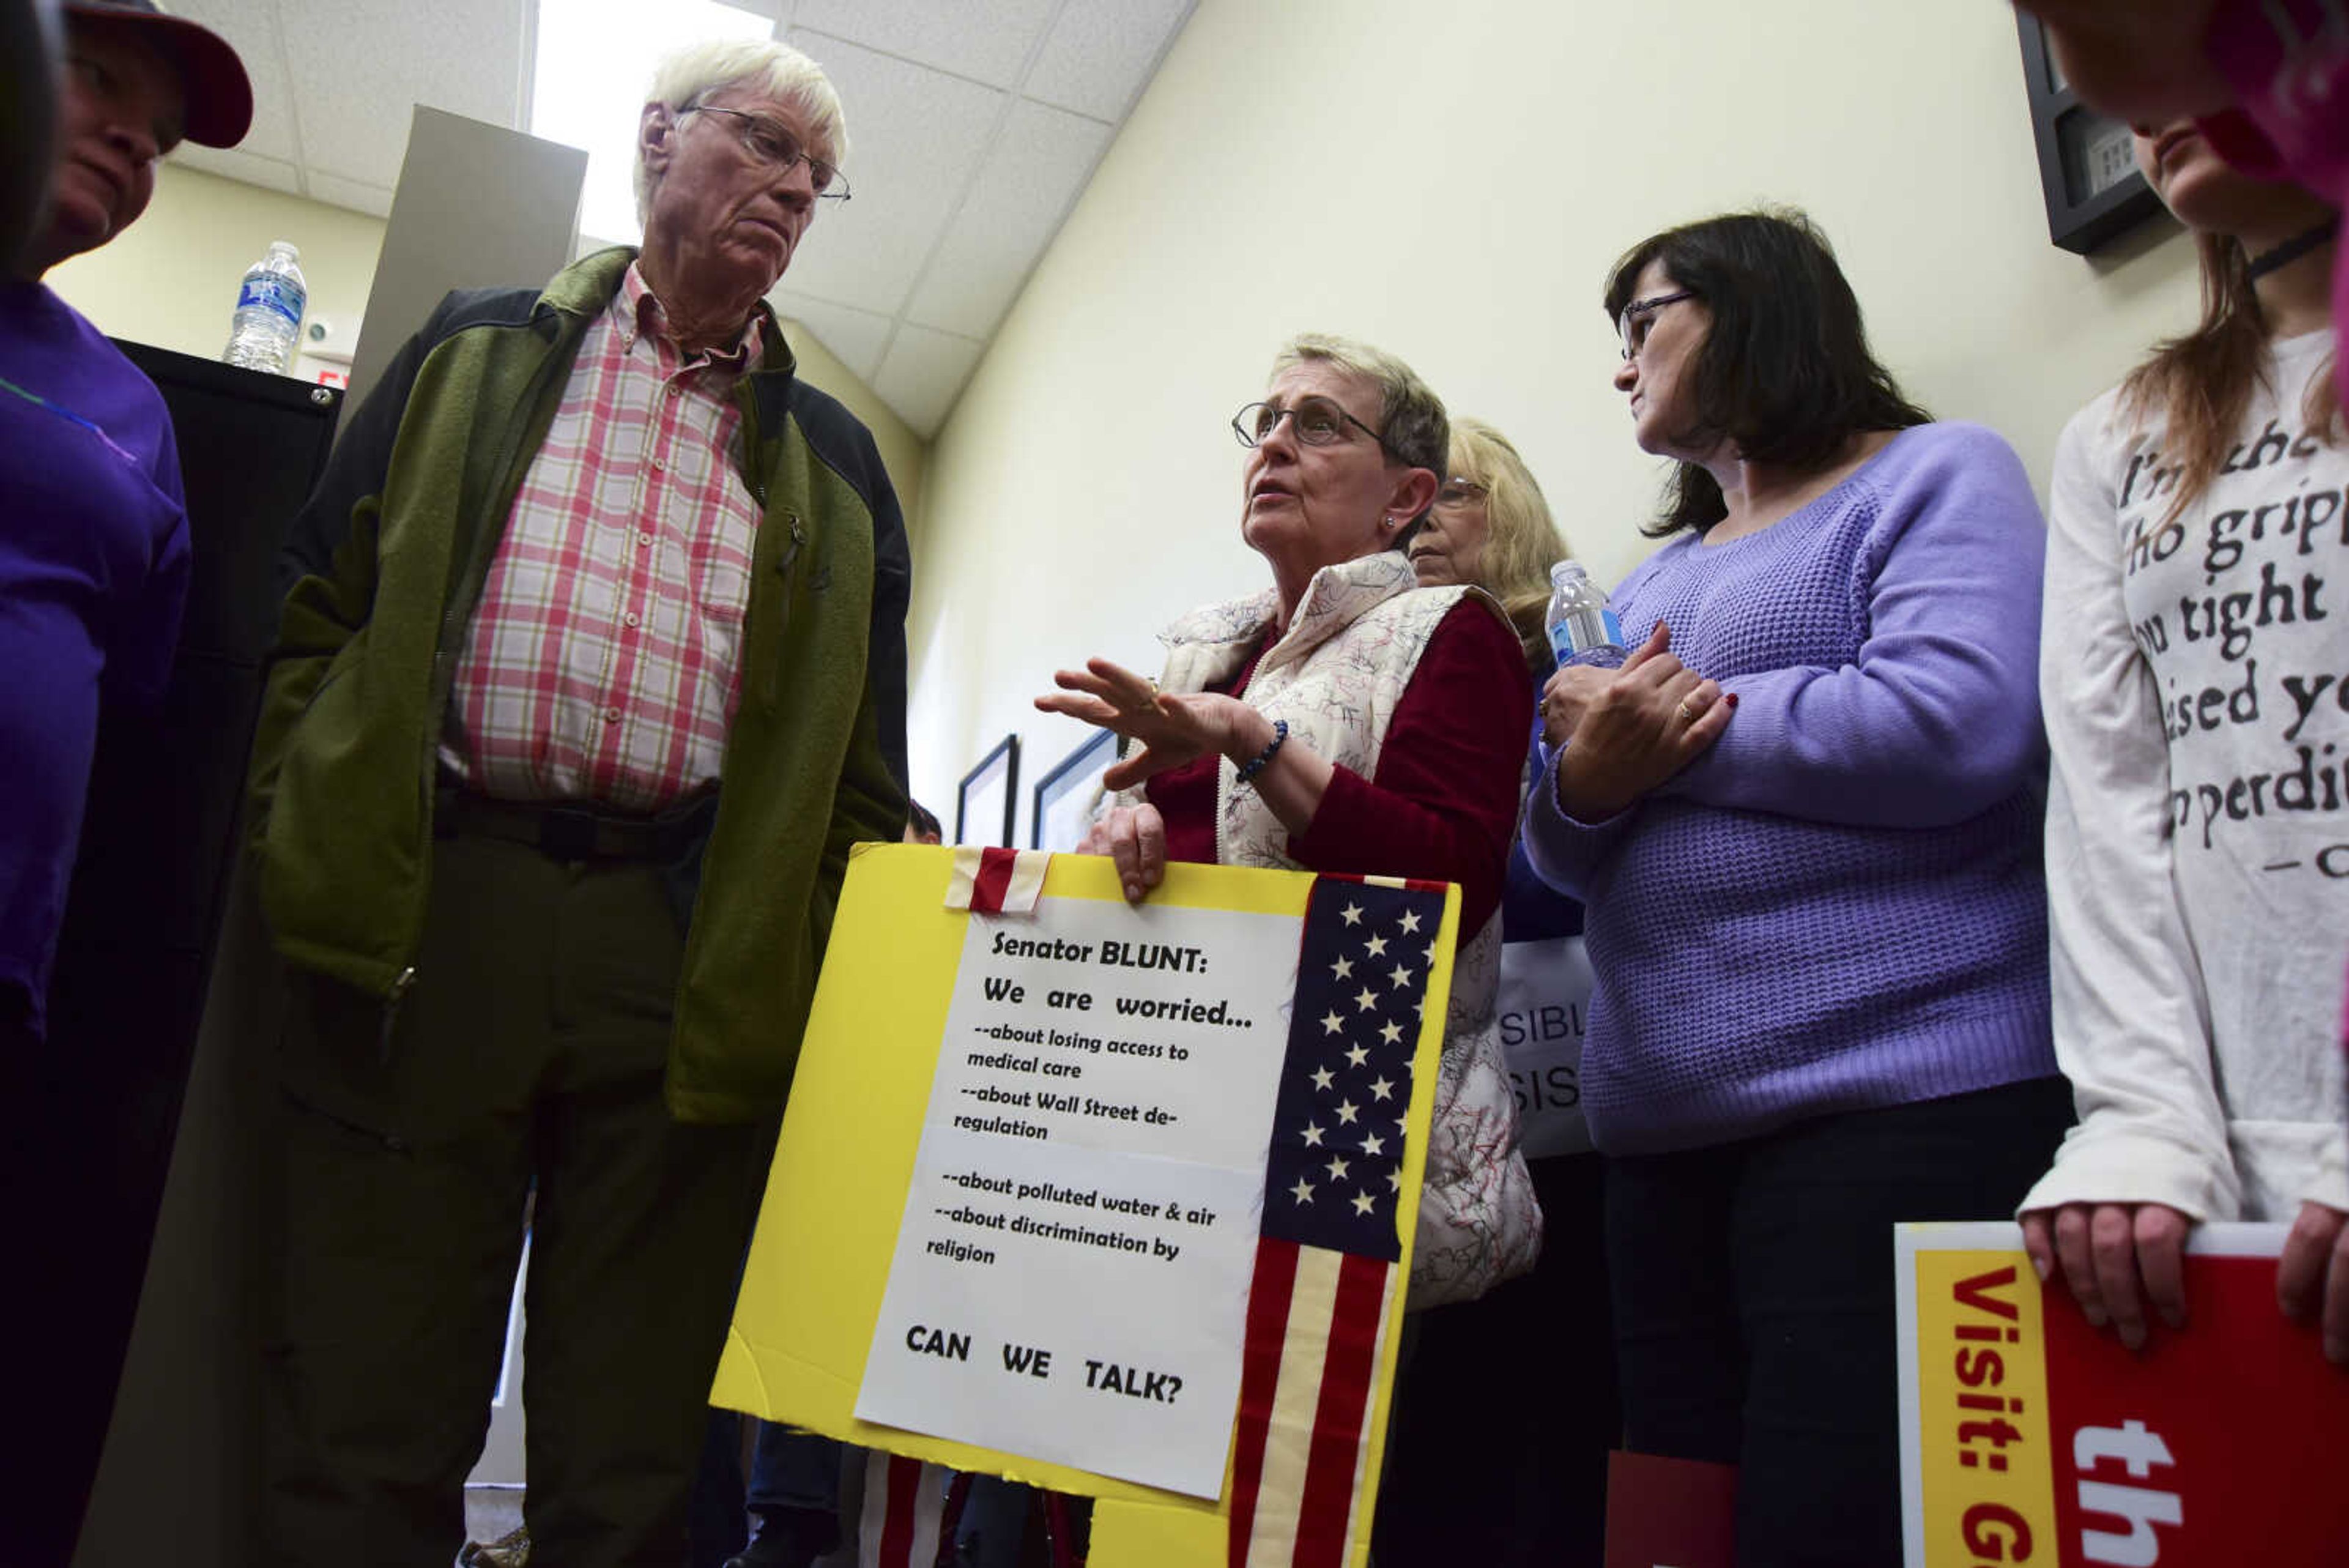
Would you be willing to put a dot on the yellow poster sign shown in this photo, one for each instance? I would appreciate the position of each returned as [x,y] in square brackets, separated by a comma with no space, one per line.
[1004,1208]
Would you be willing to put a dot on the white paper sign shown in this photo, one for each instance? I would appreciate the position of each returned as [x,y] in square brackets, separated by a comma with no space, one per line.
[1544,1004]
[1071,1273]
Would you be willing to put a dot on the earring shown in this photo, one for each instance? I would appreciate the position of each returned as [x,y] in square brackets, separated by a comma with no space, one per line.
[1389,521]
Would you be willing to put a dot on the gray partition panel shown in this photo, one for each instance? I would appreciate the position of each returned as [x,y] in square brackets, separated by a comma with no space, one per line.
[479,207]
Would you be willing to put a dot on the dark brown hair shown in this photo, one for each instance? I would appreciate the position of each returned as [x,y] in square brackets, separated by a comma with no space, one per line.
[2201,382]
[1784,374]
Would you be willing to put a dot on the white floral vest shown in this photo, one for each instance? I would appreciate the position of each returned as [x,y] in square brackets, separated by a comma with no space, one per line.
[1336,675]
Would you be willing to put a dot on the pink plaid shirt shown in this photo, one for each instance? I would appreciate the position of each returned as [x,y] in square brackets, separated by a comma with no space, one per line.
[603,660]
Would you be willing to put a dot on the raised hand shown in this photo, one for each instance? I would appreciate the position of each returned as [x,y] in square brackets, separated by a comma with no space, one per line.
[1172,729]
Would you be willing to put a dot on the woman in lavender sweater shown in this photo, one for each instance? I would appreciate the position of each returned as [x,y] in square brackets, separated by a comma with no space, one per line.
[1805,819]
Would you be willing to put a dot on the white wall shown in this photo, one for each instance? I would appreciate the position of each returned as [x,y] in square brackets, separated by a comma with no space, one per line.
[1449,182]
[172,279]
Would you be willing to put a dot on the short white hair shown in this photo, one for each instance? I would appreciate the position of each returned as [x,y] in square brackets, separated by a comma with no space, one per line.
[698,70]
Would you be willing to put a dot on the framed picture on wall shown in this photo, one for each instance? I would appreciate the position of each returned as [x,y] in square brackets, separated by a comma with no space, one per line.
[2087,168]
[1064,797]
[987,801]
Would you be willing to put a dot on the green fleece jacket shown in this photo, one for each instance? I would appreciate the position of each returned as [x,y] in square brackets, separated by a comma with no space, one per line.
[390,556]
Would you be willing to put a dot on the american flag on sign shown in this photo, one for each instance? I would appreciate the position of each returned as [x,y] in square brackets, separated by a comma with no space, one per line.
[1326,1276]
[904,1521]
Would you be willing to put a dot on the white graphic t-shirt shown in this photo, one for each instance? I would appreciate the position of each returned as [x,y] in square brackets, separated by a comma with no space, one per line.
[2195,673]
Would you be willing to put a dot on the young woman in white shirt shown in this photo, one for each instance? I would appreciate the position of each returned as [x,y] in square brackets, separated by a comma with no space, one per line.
[2193,658]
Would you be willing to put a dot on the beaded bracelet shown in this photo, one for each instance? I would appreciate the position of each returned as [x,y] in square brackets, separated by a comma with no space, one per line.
[1263,759]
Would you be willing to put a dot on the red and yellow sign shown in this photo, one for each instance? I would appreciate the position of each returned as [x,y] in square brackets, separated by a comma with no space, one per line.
[2029,1437]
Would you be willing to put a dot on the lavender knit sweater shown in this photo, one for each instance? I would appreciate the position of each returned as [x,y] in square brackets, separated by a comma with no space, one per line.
[1840,905]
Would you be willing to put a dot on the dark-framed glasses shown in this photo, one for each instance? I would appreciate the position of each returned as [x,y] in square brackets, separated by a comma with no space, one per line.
[1459,492]
[1318,422]
[1632,321]
[775,148]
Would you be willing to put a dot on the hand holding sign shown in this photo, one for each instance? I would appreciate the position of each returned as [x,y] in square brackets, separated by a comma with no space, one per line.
[1044,1165]
[2028,1433]
[2313,1276]
[1134,838]
[2110,1253]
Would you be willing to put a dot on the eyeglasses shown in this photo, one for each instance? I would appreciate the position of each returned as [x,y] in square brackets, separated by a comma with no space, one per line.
[1459,492]
[778,149]
[1633,320]
[1318,422]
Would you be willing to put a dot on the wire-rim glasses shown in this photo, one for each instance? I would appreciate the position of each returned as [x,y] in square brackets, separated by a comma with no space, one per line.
[1317,421]
[775,146]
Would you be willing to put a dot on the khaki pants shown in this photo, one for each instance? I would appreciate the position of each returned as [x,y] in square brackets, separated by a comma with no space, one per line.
[527,1057]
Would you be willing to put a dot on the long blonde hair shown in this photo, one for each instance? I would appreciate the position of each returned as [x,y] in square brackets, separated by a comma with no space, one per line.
[1521,539]
[2201,382]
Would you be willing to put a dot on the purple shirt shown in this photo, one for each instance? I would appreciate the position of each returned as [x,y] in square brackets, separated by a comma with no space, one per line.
[1840,905]
[93,577]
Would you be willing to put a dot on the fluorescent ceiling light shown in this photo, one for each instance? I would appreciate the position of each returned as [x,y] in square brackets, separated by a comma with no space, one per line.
[595,59]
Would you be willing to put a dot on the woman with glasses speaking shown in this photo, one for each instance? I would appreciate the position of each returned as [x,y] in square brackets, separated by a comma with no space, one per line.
[1342,720]
[1804,820]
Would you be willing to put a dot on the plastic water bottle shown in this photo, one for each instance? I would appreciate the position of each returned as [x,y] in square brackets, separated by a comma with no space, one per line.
[1582,628]
[269,306]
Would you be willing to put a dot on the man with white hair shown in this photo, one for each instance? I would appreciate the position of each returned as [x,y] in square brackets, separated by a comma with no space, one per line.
[593,670]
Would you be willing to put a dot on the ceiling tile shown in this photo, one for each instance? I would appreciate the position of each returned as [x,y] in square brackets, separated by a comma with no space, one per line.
[915,136]
[1101,52]
[987,42]
[360,68]
[961,184]
[1025,188]
[239,165]
[251,27]
[374,201]
[923,374]
[586,94]
[854,336]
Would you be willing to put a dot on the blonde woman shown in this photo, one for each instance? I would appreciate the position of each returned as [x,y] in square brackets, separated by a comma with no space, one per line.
[1491,528]
[1534,1459]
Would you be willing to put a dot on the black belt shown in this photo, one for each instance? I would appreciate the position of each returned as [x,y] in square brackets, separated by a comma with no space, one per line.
[576,830]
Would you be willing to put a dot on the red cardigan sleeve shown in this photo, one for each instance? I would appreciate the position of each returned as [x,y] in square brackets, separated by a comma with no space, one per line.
[1442,801]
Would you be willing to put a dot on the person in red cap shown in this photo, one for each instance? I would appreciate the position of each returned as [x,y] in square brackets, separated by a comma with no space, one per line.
[94,567]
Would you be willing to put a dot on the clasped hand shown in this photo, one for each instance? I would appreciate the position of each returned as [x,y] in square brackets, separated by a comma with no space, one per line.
[1631,728]
[2119,1260]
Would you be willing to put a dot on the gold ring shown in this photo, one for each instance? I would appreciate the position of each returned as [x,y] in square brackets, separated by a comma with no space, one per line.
[1686,717]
